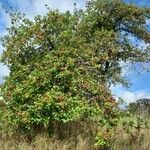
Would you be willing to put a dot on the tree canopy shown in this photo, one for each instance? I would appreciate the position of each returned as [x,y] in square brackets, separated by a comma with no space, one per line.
[61,64]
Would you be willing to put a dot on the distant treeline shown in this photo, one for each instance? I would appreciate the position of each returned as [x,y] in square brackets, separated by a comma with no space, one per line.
[140,107]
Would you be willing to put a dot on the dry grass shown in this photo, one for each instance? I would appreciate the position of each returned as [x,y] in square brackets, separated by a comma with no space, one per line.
[76,136]
[42,142]
[124,141]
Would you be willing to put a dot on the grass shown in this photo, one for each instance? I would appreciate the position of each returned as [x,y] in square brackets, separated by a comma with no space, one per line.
[75,136]
[42,142]
[124,141]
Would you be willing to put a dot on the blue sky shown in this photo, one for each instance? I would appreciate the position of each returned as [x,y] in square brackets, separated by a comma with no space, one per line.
[141,84]
[140,2]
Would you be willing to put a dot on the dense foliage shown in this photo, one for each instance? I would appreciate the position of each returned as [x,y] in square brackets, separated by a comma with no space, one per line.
[61,64]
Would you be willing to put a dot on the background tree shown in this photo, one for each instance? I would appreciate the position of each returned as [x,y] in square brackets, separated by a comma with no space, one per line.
[61,65]
[141,107]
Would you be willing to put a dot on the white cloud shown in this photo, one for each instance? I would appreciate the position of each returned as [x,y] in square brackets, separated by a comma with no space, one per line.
[37,7]
[129,96]
[133,96]
[32,7]
[4,71]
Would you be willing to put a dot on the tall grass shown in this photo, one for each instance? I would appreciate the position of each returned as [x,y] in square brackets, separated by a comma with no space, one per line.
[43,143]
[75,136]
[124,141]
